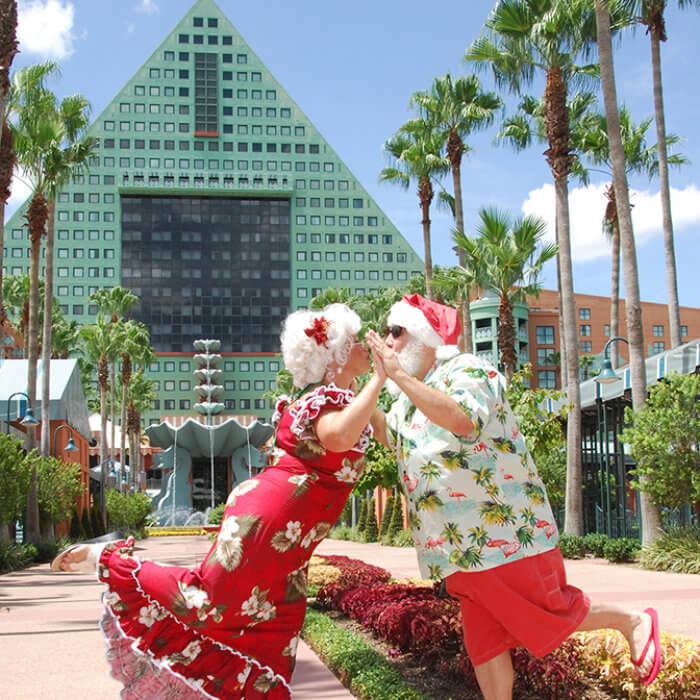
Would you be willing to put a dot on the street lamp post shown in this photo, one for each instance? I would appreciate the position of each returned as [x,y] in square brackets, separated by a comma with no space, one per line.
[28,418]
[70,446]
[607,375]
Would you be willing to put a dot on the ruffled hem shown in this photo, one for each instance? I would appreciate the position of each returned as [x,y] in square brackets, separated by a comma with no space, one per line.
[306,409]
[155,652]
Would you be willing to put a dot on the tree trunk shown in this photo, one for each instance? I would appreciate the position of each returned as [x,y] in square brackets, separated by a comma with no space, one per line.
[615,289]
[7,163]
[651,519]
[674,314]
[425,196]
[36,217]
[464,310]
[562,334]
[46,335]
[506,338]
[122,426]
[113,428]
[102,367]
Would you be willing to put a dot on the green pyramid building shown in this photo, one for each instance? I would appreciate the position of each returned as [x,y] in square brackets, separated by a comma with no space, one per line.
[215,199]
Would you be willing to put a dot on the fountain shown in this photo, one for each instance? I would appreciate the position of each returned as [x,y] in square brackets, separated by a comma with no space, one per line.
[231,451]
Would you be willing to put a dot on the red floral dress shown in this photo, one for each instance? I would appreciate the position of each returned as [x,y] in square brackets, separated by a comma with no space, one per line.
[229,629]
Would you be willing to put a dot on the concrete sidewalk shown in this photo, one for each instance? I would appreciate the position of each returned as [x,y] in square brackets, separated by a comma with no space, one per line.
[51,646]
[675,596]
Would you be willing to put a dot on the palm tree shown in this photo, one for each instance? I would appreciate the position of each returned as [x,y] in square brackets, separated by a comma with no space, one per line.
[135,347]
[141,393]
[652,16]
[506,259]
[8,49]
[523,38]
[651,518]
[66,154]
[458,108]
[590,138]
[415,151]
[98,341]
[455,284]
[115,303]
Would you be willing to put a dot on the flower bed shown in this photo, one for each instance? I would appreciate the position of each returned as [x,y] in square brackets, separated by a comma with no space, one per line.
[414,620]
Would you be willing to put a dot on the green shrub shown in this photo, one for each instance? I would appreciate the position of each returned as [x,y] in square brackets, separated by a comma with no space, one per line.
[594,542]
[572,546]
[14,556]
[98,526]
[76,528]
[676,550]
[85,524]
[396,522]
[403,539]
[371,531]
[341,532]
[621,549]
[386,517]
[362,517]
[346,516]
[47,550]
[127,511]
[216,515]
[367,674]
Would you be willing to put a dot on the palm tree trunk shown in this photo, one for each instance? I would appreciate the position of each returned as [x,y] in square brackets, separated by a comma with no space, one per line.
[651,519]
[615,289]
[425,196]
[102,368]
[674,314]
[112,415]
[122,425]
[506,337]
[46,335]
[467,344]
[562,334]
[36,217]
[7,162]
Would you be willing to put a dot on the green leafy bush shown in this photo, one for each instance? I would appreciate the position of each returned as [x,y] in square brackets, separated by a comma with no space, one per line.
[76,528]
[367,674]
[595,542]
[98,526]
[676,550]
[396,522]
[386,517]
[216,515]
[621,549]
[15,556]
[362,517]
[341,532]
[15,475]
[371,531]
[403,539]
[127,511]
[86,525]
[572,547]
[47,550]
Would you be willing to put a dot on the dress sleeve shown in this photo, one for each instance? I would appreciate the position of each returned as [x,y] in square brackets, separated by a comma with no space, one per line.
[475,388]
[306,409]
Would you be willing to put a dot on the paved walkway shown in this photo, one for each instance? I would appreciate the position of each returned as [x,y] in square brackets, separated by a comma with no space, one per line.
[50,641]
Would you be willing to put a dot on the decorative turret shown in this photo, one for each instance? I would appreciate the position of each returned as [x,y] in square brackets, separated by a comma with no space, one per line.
[207,375]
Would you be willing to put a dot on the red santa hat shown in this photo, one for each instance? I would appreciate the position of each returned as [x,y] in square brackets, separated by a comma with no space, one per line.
[435,325]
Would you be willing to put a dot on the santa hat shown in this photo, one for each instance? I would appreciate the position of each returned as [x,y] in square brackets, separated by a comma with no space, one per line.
[435,325]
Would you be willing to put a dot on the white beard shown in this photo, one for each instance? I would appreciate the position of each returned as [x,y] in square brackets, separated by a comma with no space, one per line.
[410,358]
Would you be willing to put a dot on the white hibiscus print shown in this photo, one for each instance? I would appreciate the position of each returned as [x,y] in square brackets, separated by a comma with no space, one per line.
[250,606]
[293,532]
[347,474]
[291,648]
[243,675]
[267,610]
[242,488]
[194,597]
[309,538]
[229,527]
[192,650]
[111,598]
[149,614]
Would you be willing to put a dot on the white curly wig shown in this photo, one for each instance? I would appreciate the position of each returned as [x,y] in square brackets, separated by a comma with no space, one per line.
[308,360]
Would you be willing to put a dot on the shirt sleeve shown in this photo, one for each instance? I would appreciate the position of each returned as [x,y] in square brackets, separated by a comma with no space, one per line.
[474,388]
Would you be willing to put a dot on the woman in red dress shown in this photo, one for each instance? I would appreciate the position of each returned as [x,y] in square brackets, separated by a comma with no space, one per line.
[229,628]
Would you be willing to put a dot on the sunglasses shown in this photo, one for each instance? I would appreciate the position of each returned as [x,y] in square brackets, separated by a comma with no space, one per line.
[395,331]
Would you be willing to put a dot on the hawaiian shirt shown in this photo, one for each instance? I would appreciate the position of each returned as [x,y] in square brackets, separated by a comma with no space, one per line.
[474,502]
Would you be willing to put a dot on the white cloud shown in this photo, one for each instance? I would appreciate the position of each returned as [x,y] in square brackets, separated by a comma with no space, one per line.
[46,28]
[20,189]
[147,7]
[587,207]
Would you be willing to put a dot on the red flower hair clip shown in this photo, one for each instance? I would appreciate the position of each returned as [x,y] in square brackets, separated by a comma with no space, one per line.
[319,331]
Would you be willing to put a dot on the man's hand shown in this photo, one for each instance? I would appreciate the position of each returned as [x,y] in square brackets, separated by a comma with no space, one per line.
[384,354]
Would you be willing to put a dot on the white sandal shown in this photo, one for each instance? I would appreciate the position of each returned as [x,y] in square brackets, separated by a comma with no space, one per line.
[87,565]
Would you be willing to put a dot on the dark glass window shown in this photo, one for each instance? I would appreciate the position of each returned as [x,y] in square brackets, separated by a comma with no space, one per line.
[199,292]
[206,91]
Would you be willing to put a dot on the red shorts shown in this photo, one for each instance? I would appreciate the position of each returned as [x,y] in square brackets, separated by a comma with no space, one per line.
[525,603]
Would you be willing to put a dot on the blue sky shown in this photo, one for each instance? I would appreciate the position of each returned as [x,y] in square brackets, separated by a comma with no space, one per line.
[352,68]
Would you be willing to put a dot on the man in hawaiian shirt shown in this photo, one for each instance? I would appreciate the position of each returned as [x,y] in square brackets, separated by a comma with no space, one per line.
[478,509]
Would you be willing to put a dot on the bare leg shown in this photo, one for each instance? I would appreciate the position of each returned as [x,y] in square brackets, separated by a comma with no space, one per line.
[75,556]
[495,677]
[635,625]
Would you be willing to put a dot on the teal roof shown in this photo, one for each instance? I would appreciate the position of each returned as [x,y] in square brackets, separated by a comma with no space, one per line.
[68,401]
